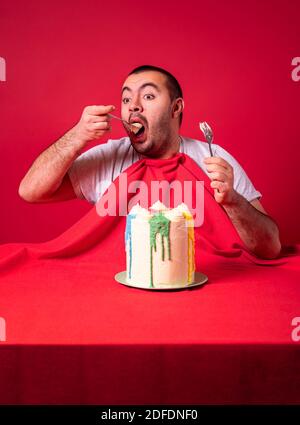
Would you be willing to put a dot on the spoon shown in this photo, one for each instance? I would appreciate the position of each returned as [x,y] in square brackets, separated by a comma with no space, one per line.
[208,134]
[117,118]
[134,127]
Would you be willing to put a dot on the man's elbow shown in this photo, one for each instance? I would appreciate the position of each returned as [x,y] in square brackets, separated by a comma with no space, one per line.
[275,243]
[270,249]
[273,252]
[26,194]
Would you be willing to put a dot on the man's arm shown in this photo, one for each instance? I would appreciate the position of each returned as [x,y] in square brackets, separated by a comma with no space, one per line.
[65,192]
[257,230]
[47,179]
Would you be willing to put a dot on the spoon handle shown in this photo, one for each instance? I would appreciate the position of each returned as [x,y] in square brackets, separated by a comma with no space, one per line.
[117,118]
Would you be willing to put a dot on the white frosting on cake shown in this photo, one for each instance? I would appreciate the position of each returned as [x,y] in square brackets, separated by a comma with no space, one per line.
[172,262]
[158,206]
[139,211]
[175,214]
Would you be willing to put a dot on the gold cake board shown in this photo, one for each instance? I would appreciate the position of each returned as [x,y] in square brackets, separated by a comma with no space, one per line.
[200,279]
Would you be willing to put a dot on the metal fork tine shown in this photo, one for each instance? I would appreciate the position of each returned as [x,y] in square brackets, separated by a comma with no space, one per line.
[208,134]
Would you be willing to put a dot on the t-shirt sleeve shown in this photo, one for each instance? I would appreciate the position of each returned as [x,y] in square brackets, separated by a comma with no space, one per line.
[89,173]
[242,184]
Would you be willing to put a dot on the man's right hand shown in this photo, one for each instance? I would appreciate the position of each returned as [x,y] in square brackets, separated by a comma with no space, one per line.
[47,179]
[94,123]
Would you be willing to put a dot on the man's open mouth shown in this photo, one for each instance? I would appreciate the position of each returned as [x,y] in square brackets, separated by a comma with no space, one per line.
[137,129]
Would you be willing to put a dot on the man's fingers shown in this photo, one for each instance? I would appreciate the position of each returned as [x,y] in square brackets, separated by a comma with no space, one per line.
[96,118]
[99,109]
[222,177]
[217,167]
[218,186]
[217,160]
[104,125]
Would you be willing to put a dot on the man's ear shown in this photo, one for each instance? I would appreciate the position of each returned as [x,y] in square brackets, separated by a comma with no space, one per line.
[178,107]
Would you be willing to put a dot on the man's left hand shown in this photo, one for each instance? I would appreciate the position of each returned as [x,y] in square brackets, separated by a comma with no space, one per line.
[222,176]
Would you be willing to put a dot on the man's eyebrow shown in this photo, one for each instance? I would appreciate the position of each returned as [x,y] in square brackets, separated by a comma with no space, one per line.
[142,87]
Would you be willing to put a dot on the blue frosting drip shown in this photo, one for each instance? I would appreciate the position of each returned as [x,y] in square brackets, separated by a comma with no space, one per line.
[128,237]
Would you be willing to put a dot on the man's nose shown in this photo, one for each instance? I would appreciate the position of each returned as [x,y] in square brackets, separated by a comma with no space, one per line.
[135,105]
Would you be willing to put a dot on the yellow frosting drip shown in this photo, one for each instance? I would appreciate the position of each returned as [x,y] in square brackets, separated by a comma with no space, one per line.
[191,246]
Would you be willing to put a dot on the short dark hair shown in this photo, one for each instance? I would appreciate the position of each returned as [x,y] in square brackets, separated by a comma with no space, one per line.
[173,86]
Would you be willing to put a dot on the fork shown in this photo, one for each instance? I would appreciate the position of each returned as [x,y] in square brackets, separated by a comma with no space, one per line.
[208,134]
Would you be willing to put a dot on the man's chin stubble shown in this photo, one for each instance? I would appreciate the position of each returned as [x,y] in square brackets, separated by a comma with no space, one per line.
[142,147]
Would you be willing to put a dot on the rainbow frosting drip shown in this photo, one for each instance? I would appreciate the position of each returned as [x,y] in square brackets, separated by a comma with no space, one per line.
[160,246]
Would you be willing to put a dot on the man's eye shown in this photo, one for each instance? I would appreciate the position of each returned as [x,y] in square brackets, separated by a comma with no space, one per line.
[149,96]
[125,100]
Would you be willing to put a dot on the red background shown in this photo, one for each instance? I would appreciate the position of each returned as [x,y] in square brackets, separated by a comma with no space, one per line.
[233,60]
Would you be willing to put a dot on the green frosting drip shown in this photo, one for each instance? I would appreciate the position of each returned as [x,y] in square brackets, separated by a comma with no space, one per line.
[159,224]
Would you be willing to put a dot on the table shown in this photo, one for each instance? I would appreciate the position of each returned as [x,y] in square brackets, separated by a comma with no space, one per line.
[226,342]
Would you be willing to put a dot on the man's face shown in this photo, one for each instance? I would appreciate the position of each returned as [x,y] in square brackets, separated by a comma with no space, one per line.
[146,99]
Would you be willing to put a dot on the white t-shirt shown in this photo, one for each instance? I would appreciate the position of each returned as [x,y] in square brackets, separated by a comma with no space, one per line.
[94,170]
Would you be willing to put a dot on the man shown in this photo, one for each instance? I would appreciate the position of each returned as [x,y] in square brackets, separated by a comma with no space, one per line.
[152,97]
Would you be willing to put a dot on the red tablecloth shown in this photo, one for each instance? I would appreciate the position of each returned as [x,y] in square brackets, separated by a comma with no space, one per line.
[75,335]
